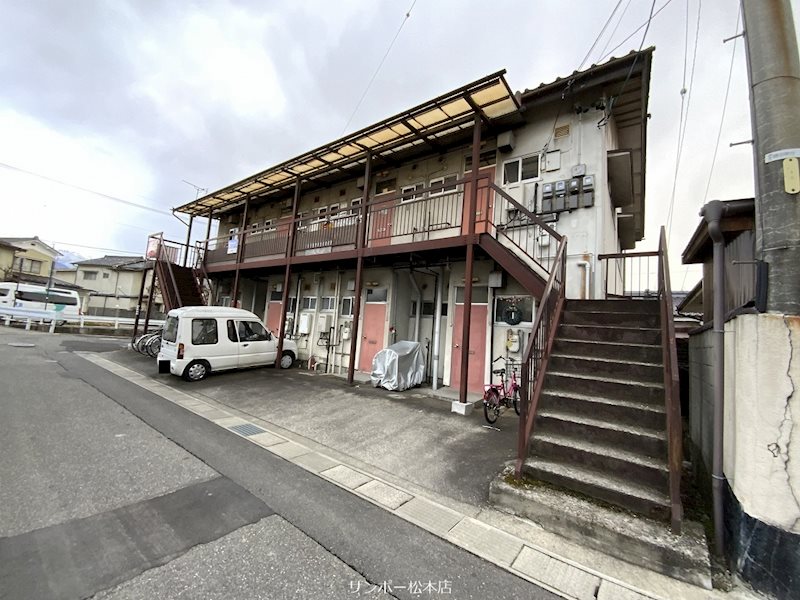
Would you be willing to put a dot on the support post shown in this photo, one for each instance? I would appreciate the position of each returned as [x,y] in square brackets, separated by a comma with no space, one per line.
[239,254]
[188,241]
[150,298]
[360,243]
[288,273]
[470,260]
[139,305]
[773,70]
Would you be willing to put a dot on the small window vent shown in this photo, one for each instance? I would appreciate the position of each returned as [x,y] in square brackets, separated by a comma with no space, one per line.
[562,131]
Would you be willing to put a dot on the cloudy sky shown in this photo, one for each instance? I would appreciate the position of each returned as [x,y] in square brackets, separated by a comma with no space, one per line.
[127,98]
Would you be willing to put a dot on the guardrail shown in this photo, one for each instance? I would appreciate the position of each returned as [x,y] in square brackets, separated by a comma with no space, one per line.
[53,317]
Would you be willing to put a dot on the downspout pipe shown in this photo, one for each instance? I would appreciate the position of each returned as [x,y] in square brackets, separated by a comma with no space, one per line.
[418,312]
[437,326]
[713,213]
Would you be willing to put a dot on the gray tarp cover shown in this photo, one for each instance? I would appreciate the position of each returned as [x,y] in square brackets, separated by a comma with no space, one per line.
[398,367]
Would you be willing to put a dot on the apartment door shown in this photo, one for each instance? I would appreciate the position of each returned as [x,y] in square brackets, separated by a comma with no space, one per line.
[372,334]
[274,308]
[484,204]
[477,340]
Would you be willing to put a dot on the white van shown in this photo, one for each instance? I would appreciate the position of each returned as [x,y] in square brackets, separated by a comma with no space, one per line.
[198,340]
[65,303]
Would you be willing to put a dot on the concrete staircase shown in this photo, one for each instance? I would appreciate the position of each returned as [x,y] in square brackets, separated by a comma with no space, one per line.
[601,422]
[599,443]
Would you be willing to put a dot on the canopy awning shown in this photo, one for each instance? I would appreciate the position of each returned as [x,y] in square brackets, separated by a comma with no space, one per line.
[488,98]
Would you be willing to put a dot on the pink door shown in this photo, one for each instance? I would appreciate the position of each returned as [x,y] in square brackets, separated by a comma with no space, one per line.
[372,334]
[483,207]
[477,348]
[274,316]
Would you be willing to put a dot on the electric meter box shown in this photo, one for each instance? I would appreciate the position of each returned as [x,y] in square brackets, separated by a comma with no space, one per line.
[547,197]
[587,197]
[304,324]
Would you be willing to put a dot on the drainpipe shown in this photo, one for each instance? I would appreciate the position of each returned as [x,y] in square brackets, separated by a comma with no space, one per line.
[713,213]
[437,326]
[587,271]
[418,314]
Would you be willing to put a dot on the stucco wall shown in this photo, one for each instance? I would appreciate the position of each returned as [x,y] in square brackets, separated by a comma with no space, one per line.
[762,410]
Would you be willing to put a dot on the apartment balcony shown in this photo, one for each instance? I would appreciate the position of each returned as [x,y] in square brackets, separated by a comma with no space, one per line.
[395,223]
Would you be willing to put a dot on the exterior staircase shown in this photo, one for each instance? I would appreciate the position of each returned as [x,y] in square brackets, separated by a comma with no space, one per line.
[601,424]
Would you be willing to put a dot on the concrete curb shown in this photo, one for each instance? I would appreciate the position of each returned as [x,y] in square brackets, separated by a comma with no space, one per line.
[463,528]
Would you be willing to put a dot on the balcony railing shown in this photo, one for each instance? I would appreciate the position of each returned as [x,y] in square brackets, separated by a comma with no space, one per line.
[432,213]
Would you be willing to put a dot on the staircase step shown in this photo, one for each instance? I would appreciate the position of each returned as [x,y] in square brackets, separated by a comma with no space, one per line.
[641,499]
[607,367]
[651,353]
[631,537]
[610,334]
[606,387]
[627,412]
[613,461]
[632,306]
[651,442]
[626,319]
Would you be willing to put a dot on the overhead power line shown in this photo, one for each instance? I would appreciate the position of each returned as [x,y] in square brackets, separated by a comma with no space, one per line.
[53,243]
[380,64]
[599,35]
[724,108]
[635,31]
[84,189]
[614,32]
[686,100]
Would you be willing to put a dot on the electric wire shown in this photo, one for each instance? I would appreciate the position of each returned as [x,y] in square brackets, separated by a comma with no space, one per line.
[614,32]
[380,64]
[599,35]
[724,109]
[684,118]
[83,189]
[635,31]
[610,107]
[583,62]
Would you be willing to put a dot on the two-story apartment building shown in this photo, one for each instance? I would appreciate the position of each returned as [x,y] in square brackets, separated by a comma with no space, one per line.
[418,227]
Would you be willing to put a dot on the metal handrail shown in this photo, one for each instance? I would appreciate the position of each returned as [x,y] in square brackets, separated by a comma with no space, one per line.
[160,257]
[671,387]
[527,212]
[538,350]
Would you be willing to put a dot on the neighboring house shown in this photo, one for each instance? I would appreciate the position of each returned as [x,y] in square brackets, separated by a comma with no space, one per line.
[385,209]
[114,283]
[32,258]
[7,253]
[759,429]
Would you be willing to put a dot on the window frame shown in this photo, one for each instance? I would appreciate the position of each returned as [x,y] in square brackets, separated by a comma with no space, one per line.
[330,301]
[349,300]
[204,343]
[312,303]
[445,189]
[87,273]
[519,160]
[414,187]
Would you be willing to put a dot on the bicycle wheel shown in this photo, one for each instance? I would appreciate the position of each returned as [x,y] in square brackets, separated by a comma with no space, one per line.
[491,406]
[515,397]
[153,346]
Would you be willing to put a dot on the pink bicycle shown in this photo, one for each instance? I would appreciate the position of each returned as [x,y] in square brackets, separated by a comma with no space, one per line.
[497,396]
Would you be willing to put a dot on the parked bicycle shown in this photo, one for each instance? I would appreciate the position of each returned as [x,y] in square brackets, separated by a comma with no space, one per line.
[148,343]
[499,397]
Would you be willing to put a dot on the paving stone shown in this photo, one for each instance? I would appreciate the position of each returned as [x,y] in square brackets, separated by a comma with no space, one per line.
[384,493]
[229,421]
[562,576]
[346,476]
[612,591]
[266,439]
[288,450]
[313,462]
[433,517]
[485,541]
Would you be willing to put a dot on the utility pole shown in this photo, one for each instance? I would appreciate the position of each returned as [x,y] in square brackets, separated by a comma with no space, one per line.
[773,70]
